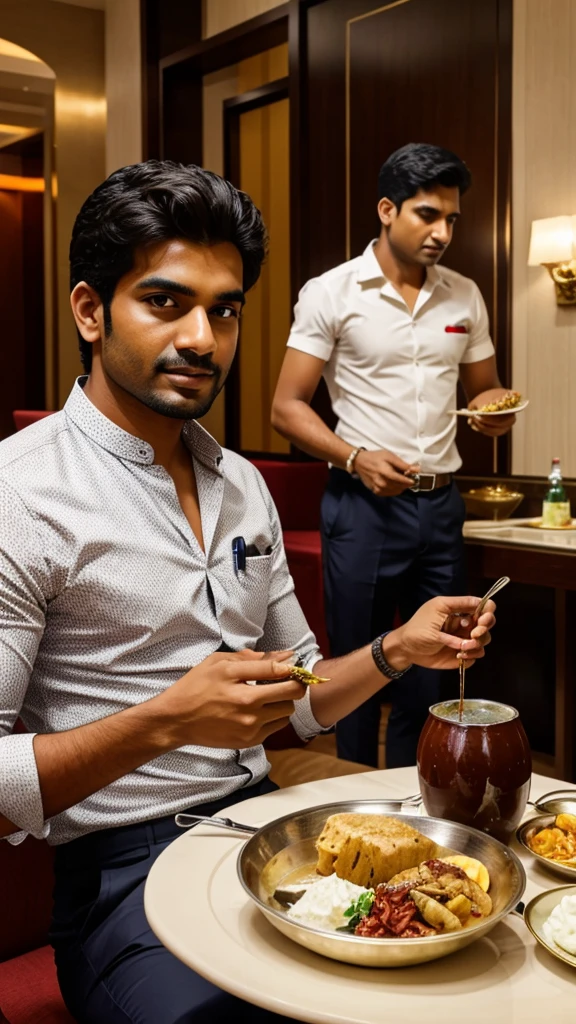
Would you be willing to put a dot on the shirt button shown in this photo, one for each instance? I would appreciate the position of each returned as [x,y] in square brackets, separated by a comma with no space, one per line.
[420,398]
[416,362]
[421,433]
[142,452]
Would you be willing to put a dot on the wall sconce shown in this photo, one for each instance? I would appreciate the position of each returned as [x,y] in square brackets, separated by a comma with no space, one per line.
[553,245]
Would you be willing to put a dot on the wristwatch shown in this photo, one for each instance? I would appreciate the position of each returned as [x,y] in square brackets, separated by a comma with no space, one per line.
[380,661]
[352,459]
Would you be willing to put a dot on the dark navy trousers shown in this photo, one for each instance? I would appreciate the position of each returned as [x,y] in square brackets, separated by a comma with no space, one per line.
[383,555]
[111,967]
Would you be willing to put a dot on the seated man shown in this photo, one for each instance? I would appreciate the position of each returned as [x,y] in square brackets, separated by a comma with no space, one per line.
[134,547]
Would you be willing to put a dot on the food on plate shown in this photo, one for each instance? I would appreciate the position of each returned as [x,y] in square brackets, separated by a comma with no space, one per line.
[369,849]
[381,878]
[560,927]
[472,867]
[302,675]
[556,842]
[435,913]
[325,901]
[508,401]
[441,898]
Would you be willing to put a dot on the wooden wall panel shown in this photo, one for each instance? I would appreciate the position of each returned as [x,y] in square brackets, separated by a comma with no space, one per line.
[264,174]
[380,76]
[13,347]
[219,15]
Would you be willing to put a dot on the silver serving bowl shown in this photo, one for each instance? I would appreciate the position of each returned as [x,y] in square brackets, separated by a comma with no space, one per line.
[524,833]
[286,844]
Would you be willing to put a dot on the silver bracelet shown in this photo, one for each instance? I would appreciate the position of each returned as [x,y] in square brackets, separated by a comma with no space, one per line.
[352,459]
[380,661]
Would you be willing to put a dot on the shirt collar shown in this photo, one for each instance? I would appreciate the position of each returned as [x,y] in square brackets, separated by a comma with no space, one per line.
[370,270]
[127,446]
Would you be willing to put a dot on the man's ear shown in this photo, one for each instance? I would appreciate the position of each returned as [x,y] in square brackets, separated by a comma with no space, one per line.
[386,211]
[88,312]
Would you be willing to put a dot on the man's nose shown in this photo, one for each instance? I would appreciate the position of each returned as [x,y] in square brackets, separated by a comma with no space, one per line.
[442,232]
[195,332]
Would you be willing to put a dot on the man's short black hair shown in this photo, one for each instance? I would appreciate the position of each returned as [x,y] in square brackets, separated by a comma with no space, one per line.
[419,166]
[158,201]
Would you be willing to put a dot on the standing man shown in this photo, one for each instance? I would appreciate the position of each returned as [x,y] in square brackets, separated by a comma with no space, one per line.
[143,584]
[391,333]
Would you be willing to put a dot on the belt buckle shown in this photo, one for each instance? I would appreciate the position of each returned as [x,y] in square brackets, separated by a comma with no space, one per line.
[424,482]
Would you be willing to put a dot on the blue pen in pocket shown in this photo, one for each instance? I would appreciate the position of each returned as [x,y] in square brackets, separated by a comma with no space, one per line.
[239,554]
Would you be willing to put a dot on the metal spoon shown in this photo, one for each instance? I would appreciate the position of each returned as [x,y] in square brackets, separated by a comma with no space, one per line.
[462,668]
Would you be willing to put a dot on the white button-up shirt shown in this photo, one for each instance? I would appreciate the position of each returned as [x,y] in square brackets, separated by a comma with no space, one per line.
[392,373]
[106,598]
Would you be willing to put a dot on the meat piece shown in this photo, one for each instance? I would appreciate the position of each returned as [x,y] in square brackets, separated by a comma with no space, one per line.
[435,913]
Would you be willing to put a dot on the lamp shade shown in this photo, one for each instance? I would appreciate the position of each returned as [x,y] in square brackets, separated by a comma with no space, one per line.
[552,240]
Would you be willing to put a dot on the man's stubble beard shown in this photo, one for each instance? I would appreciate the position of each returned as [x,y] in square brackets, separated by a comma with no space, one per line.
[156,402]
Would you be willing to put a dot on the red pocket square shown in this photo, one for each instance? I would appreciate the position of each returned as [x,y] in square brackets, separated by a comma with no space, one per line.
[456,329]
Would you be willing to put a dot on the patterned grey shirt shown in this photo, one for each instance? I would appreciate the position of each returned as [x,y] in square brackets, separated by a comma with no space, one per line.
[106,598]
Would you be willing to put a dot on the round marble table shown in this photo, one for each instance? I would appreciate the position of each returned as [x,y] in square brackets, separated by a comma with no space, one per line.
[196,906]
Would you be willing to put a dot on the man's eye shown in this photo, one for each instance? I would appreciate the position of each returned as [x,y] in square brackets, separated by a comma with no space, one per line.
[161,302]
[225,312]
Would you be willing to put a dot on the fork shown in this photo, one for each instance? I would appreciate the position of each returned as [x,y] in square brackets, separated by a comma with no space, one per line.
[191,820]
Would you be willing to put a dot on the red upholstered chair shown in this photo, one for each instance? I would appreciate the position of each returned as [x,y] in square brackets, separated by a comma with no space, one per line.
[24,417]
[297,489]
[29,992]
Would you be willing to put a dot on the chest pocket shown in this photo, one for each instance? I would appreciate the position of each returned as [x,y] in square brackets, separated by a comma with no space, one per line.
[253,585]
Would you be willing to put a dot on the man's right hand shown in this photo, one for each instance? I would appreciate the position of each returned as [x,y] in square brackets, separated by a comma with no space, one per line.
[211,706]
[384,473]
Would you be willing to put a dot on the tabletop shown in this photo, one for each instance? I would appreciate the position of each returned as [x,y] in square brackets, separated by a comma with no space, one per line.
[197,907]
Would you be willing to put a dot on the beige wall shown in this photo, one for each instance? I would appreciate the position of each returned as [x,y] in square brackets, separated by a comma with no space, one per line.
[70,40]
[123,84]
[544,185]
[218,15]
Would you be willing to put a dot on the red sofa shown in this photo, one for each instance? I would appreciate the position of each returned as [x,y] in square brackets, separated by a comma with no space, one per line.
[29,992]
[297,489]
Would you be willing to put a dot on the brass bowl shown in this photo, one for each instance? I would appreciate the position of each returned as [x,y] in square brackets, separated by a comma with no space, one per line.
[288,843]
[492,501]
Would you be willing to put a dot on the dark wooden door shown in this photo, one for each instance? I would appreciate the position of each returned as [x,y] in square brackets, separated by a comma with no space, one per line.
[378,77]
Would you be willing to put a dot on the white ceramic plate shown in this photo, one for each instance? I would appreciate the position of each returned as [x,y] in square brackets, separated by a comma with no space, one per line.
[538,911]
[500,412]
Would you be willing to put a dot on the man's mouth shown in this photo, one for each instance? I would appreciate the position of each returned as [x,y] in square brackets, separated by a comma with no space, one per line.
[188,377]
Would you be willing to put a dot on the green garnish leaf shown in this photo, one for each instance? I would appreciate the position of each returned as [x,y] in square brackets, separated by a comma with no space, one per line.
[357,910]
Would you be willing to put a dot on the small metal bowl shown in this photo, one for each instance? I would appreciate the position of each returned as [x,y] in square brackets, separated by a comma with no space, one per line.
[288,843]
[538,911]
[525,831]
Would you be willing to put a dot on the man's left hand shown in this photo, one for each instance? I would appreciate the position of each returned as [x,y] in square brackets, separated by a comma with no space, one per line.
[442,632]
[491,426]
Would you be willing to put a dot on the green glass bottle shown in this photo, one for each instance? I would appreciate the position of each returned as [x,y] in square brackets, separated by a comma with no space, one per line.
[556,507]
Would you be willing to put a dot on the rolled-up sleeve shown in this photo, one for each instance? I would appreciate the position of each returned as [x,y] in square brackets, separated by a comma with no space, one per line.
[286,628]
[480,344]
[23,568]
[314,329]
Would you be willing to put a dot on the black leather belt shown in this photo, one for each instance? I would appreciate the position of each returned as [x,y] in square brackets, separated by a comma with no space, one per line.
[430,481]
